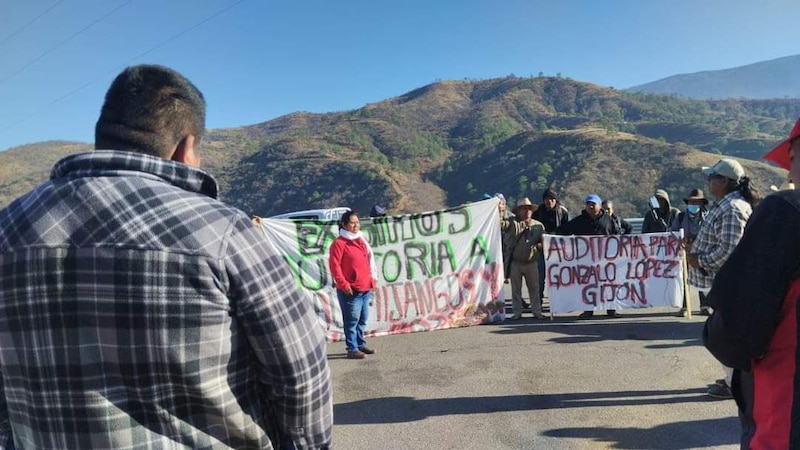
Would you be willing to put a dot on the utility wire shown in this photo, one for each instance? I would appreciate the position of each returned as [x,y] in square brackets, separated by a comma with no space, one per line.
[8,38]
[150,50]
[30,63]
[118,67]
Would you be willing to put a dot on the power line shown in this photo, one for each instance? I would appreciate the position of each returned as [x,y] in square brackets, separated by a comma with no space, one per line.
[74,35]
[126,63]
[150,50]
[181,33]
[8,38]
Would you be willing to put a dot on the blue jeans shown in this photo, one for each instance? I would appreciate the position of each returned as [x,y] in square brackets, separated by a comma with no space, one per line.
[355,311]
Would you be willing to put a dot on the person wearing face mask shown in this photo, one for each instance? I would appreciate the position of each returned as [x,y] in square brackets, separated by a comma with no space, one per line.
[754,327]
[690,221]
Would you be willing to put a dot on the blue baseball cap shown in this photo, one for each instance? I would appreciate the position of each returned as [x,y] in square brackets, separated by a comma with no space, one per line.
[594,198]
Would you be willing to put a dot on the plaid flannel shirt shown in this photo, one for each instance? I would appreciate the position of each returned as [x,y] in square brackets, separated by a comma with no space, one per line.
[139,312]
[720,232]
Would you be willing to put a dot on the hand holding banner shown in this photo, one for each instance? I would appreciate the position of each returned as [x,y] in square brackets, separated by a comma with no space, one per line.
[586,273]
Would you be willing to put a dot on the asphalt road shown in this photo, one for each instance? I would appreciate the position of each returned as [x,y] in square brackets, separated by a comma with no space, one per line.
[637,382]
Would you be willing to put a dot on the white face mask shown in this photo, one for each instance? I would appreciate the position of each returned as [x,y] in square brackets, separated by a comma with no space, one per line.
[693,209]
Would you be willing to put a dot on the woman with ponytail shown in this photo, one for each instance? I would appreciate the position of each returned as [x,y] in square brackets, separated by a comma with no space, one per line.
[355,274]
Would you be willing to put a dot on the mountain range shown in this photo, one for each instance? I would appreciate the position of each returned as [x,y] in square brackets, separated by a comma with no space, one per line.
[776,78]
[448,142]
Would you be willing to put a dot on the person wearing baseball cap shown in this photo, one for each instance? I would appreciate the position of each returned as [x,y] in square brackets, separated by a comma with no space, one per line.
[783,152]
[783,156]
[592,221]
[756,295]
[718,237]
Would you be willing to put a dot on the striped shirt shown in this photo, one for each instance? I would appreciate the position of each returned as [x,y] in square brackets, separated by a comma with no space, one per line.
[720,232]
[137,312]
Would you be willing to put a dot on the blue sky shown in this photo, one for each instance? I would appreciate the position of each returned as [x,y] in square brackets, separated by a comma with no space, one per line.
[256,60]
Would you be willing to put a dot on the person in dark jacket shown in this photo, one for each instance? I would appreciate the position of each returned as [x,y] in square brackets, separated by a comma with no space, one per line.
[592,221]
[659,219]
[552,214]
[754,326]
[622,225]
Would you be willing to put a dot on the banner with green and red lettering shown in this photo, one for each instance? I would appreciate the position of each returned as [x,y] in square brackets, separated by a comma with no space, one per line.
[436,270]
[586,273]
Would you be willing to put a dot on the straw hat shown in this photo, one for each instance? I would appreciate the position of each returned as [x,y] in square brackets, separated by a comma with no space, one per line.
[525,202]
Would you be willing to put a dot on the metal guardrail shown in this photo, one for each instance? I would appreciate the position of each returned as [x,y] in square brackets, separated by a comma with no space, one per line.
[636,223]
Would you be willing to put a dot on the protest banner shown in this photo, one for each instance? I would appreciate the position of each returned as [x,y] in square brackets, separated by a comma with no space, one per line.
[436,270]
[586,273]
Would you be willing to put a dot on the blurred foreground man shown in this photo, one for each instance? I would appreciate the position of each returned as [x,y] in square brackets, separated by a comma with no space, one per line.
[138,311]
[754,327]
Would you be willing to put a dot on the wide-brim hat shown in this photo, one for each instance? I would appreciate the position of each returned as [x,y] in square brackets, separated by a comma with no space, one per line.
[780,154]
[525,202]
[696,194]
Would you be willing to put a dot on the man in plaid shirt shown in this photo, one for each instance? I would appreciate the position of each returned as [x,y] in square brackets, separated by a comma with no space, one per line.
[138,311]
[721,231]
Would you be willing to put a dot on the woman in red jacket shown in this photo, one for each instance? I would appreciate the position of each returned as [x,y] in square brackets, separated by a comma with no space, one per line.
[353,268]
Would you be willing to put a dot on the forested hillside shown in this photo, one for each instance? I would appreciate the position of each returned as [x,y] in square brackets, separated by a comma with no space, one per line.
[448,142]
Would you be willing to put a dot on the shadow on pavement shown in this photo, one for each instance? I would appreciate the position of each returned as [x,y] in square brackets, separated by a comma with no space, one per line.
[671,436]
[677,435]
[408,409]
[685,334]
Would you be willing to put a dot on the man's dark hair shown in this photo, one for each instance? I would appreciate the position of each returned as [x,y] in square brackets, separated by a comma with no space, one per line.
[150,109]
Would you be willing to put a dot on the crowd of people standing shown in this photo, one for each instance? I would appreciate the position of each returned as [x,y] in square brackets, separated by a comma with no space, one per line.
[524,226]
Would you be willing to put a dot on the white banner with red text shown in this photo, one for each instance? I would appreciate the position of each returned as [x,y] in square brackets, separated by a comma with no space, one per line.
[586,273]
[436,270]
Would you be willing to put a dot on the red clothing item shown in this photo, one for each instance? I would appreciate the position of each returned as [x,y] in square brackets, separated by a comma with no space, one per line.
[349,263]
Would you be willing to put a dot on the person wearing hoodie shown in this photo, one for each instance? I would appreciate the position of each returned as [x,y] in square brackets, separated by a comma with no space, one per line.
[552,215]
[659,219]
